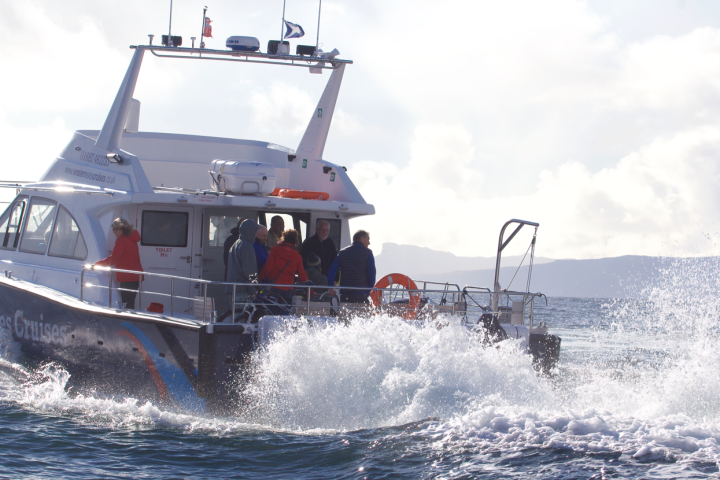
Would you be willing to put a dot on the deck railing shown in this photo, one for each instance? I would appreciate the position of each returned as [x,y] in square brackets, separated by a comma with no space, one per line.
[450,298]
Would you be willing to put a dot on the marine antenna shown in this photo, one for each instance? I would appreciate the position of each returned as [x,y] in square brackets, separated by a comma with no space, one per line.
[317,40]
[202,29]
[282,29]
[170,42]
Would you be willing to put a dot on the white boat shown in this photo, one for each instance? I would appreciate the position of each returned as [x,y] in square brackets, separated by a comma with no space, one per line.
[60,309]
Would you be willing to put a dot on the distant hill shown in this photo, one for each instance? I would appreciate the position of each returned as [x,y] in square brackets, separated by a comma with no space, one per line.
[617,277]
[418,261]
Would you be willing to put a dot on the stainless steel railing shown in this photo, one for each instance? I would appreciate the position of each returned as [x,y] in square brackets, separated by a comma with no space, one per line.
[460,301]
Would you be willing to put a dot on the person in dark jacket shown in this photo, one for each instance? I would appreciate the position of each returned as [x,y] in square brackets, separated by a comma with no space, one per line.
[125,256]
[356,264]
[229,242]
[313,270]
[242,263]
[283,263]
[321,245]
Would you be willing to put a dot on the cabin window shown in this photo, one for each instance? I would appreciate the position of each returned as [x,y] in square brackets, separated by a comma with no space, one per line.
[220,226]
[164,229]
[67,240]
[298,221]
[335,229]
[38,226]
[10,223]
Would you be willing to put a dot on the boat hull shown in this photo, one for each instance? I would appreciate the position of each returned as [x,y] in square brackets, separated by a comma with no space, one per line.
[115,352]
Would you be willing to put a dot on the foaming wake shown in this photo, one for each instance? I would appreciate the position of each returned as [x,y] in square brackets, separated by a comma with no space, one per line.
[383,371]
[644,383]
[45,392]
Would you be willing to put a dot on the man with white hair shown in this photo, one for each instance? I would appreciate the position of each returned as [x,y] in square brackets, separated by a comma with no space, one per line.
[321,245]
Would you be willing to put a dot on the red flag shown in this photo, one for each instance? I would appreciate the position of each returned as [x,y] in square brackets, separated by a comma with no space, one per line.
[207,31]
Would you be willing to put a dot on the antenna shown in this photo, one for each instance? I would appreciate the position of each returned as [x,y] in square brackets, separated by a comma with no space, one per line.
[317,40]
[282,28]
[170,42]
[202,29]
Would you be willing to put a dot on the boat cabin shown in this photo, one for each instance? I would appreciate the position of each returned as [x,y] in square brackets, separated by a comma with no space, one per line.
[164,185]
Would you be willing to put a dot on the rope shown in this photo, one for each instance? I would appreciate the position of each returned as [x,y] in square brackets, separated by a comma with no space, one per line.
[518,269]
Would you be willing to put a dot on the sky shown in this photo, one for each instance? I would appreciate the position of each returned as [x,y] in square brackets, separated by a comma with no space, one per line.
[598,119]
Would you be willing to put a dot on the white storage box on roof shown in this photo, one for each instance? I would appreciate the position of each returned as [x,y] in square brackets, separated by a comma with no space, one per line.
[243,44]
[239,177]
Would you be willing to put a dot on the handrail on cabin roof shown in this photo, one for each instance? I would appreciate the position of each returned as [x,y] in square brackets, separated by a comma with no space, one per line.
[247,57]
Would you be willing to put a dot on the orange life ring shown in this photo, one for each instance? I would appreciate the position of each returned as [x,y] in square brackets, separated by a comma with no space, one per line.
[398,279]
[292,193]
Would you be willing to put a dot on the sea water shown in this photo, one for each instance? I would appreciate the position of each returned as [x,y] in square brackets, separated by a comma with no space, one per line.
[636,395]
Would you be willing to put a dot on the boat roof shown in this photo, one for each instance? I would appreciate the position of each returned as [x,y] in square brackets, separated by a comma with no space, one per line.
[114,160]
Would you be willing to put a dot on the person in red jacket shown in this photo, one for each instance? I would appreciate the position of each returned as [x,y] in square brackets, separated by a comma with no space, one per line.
[283,263]
[126,256]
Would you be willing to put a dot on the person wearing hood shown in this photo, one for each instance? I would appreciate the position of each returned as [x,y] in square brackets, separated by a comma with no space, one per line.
[125,256]
[242,264]
[283,263]
[229,242]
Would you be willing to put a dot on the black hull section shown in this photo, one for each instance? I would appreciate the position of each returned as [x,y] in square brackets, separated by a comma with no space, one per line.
[545,349]
[126,353]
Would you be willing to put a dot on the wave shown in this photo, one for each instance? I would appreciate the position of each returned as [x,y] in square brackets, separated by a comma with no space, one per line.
[641,381]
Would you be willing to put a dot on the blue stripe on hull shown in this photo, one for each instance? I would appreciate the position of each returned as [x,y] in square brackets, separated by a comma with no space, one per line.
[92,349]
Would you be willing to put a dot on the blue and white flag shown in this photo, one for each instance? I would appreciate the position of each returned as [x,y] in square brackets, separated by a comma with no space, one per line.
[293,30]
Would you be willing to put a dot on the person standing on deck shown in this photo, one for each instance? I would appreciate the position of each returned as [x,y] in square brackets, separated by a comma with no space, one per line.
[321,245]
[125,256]
[356,264]
[283,263]
[261,253]
[242,264]
[229,242]
[277,226]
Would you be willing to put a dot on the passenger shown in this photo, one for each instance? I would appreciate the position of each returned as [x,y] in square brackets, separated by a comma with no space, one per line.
[125,256]
[356,264]
[242,264]
[283,263]
[321,245]
[277,225]
[314,265]
[261,253]
[230,241]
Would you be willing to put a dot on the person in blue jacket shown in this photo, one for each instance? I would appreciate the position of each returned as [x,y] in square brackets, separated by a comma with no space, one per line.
[261,253]
[356,265]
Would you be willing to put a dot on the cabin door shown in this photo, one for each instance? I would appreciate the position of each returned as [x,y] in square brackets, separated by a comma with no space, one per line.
[166,240]
[217,224]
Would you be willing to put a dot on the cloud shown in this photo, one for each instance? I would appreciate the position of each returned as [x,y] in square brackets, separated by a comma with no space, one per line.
[537,110]
[284,106]
[49,77]
[653,201]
